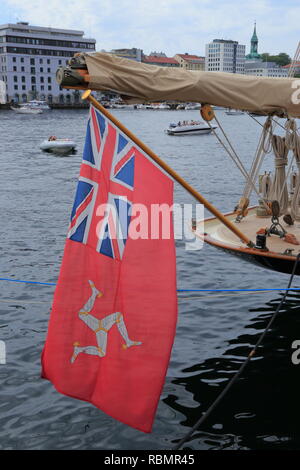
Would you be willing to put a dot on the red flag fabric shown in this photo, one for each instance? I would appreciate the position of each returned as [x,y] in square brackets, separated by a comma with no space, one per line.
[114,313]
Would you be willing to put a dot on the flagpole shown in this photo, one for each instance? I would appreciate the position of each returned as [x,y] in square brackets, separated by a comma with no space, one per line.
[88,96]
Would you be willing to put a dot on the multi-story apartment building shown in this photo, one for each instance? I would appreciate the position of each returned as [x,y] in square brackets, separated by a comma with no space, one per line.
[30,56]
[225,56]
[190,62]
[265,69]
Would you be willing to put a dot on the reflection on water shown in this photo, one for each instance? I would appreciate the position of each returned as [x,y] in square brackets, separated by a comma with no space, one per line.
[262,408]
[213,334]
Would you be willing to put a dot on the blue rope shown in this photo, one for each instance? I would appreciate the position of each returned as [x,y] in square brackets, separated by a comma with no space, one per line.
[178,290]
[29,282]
[233,290]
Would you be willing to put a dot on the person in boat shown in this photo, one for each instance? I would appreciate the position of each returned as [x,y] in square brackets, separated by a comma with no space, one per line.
[52,137]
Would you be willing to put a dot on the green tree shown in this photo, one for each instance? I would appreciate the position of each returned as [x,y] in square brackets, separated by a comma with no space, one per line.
[265,57]
[281,59]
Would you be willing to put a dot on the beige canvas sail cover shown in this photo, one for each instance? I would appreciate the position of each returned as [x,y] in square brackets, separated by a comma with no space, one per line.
[142,82]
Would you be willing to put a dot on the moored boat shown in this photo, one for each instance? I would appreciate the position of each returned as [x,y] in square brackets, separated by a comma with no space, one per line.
[26,110]
[192,106]
[189,127]
[234,112]
[37,104]
[279,255]
[60,146]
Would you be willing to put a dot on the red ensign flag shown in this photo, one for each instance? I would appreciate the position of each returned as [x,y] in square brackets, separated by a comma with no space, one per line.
[113,318]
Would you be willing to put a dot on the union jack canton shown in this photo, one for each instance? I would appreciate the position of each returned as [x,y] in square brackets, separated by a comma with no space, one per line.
[102,209]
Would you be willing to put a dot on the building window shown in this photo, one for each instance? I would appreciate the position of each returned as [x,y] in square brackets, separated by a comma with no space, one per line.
[22,60]
[48,61]
[22,69]
[48,70]
[42,79]
[32,79]
[41,69]
[49,88]
[33,88]
[32,61]
[43,52]
[32,70]
[23,79]
[16,87]
[15,78]
[14,59]
[49,79]
[41,61]
[59,62]
[23,87]
[14,68]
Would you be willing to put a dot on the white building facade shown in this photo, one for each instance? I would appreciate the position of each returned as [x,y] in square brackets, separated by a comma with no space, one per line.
[265,69]
[30,57]
[225,56]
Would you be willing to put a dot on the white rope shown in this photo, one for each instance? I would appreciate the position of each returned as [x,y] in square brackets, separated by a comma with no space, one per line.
[279,191]
[264,147]
[291,135]
[295,203]
[266,184]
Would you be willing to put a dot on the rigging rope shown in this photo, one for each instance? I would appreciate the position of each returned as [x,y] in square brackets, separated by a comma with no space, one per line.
[266,184]
[233,155]
[295,203]
[264,147]
[279,191]
[242,367]
[294,62]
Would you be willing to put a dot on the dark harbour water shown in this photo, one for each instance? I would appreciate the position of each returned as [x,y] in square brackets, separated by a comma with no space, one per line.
[214,333]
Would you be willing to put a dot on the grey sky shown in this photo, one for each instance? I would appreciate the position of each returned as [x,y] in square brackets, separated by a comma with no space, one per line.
[172,26]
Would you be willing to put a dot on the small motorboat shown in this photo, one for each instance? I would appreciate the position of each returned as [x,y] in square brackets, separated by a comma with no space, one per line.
[189,127]
[27,110]
[192,106]
[37,104]
[234,112]
[60,146]
[162,106]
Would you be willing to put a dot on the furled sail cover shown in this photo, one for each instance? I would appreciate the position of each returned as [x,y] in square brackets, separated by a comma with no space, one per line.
[143,82]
